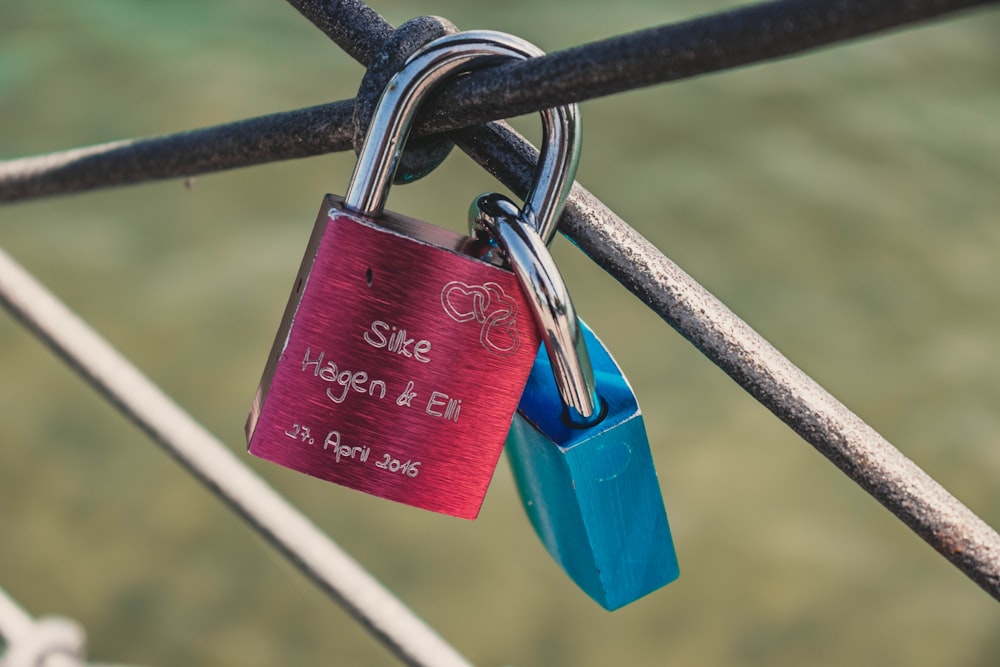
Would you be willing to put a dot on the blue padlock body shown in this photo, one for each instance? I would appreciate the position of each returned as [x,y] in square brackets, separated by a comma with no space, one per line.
[592,493]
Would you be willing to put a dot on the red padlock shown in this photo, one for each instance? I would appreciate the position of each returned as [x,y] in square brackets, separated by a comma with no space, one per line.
[401,356]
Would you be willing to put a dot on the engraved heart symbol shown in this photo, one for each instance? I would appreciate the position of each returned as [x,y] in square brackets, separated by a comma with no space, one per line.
[499,332]
[504,303]
[463,302]
[489,306]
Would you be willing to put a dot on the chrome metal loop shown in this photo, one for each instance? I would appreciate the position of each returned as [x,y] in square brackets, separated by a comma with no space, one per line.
[552,307]
[424,70]
[421,154]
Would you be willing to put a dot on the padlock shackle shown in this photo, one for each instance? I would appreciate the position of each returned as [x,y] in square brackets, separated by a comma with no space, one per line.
[552,308]
[424,70]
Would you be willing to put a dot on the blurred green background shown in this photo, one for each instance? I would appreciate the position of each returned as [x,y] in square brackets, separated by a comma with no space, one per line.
[846,203]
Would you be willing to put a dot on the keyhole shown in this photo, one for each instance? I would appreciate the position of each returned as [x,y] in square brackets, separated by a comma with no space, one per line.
[368,276]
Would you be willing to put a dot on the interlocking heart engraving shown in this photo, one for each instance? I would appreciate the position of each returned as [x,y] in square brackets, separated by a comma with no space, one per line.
[489,306]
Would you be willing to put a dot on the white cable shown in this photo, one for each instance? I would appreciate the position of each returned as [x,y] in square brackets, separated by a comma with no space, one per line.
[14,621]
[47,642]
[308,548]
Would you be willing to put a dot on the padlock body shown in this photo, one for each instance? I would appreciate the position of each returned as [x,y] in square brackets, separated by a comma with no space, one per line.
[592,494]
[398,364]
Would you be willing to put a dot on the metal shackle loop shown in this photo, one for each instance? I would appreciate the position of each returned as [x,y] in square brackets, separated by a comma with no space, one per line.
[551,306]
[426,68]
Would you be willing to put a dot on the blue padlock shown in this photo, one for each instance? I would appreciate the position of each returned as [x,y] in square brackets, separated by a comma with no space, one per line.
[578,444]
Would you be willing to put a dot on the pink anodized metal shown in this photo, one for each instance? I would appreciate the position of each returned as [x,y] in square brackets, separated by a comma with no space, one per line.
[398,365]
[401,358]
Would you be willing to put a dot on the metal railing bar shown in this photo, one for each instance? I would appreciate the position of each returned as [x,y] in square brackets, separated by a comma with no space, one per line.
[857,449]
[715,42]
[352,25]
[205,457]
[667,53]
[287,135]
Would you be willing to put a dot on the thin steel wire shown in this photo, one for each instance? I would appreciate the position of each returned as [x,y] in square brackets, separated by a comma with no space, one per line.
[718,41]
[845,439]
[667,53]
[205,457]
